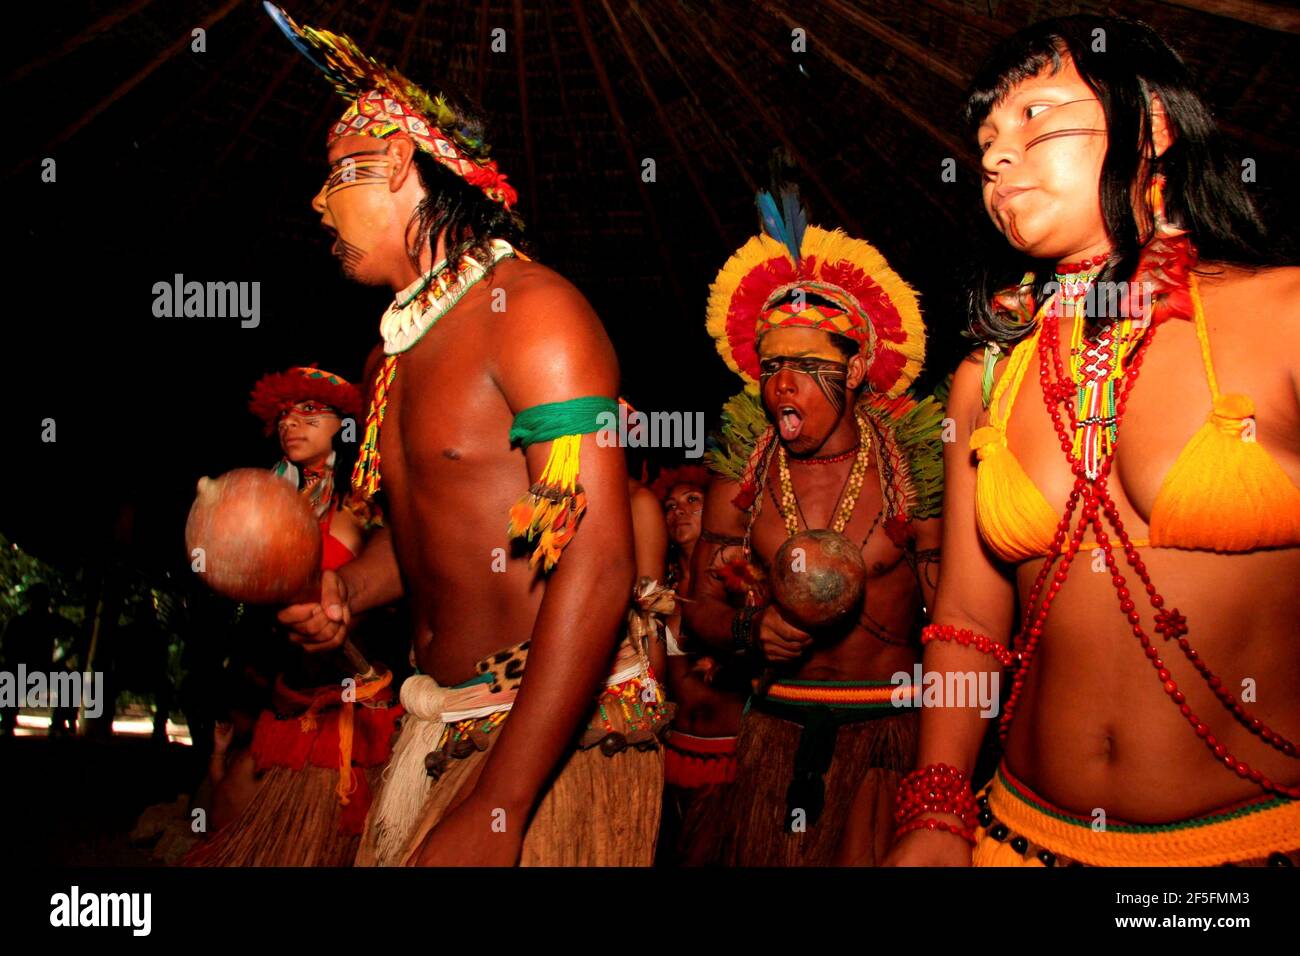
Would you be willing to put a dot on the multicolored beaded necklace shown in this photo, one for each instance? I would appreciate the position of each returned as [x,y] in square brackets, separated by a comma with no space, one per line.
[1095,495]
[848,497]
[414,311]
[1096,364]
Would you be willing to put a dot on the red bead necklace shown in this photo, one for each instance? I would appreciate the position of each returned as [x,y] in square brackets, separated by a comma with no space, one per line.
[1083,265]
[829,459]
[1169,622]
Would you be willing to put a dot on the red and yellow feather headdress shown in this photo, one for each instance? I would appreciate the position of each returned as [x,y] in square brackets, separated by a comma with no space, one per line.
[847,288]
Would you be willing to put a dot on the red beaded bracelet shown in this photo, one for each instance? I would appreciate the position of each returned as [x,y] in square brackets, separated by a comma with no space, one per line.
[930,823]
[967,638]
[938,788]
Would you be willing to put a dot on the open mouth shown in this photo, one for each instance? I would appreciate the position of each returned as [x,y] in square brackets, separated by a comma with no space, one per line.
[789,422]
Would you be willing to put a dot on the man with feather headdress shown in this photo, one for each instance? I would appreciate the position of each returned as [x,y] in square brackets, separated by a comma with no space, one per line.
[530,734]
[824,439]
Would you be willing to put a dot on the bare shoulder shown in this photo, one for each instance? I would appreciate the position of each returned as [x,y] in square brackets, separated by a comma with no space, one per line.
[1269,297]
[1254,313]
[964,398]
[540,299]
[548,343]
[644,500]
[372,364]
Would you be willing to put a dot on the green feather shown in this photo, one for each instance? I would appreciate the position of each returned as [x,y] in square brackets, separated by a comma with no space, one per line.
[743,421]
[920,437]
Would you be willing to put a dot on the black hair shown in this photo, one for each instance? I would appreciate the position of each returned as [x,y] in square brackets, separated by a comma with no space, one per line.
[451,203]
[846,346]
[1124,64]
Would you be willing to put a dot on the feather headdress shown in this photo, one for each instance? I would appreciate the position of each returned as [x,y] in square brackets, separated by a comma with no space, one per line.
[799,275]
[277,391]
[382,102]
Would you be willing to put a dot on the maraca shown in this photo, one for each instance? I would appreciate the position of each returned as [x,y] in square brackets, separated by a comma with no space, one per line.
[818,578]
[252,538]
[259,543]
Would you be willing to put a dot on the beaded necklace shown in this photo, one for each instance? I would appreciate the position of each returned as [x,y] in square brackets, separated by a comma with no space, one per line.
[848,496]
[829,459]
[1096,365]
[1095,495]
[413,312]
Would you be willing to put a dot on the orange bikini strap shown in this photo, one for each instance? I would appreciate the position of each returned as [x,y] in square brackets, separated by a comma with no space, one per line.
[1203,335]
[1021,358]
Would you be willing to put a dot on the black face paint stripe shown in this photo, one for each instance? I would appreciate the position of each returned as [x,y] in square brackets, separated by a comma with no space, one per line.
[832,385]
[1063,132]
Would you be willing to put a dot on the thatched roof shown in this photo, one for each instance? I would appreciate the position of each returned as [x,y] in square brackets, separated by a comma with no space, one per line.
[202,163]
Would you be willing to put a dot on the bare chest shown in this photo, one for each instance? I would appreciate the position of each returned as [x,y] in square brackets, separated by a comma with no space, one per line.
[444,443]
[820,491]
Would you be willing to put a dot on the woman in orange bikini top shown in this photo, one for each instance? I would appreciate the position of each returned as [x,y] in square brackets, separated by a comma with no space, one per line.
[1103,171]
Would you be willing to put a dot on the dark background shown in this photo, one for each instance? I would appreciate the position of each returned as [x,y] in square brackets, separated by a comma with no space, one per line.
[202,163]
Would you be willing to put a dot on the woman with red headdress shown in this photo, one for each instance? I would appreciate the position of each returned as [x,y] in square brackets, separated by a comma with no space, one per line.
[299,795]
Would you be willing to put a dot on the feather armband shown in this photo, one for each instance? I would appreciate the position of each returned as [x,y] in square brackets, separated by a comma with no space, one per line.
[548,514]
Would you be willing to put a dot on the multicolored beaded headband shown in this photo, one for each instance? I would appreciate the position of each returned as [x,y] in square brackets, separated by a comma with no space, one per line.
[383,102]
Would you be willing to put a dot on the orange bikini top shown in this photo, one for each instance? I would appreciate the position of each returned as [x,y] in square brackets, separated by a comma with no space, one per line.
[1224,492]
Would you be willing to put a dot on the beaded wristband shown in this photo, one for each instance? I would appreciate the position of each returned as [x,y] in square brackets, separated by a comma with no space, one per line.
[930,823]
[967,638]
[938,788]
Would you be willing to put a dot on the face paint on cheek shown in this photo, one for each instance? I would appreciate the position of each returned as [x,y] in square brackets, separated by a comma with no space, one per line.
[832,385]
[1058,133]
[350,256]
[346,172]
[829,376]
[1014,232]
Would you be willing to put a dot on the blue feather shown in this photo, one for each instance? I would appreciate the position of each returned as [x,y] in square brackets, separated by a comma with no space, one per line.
[291,31]
[796,218]
[774,224]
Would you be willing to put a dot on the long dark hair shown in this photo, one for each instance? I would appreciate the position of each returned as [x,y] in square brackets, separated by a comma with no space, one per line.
[470,218]
[1203,192]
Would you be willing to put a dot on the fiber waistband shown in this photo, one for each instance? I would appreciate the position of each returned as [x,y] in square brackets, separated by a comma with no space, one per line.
[837,694]
[691,762]
[1247,830]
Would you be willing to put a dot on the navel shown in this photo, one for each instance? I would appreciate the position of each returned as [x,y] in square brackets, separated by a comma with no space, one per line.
[451,453]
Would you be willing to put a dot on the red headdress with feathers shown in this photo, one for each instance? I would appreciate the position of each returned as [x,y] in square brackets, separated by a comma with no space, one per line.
[277,391]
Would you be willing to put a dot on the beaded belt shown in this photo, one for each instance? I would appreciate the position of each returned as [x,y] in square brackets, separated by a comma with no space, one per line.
[876,696]
[1243,834]
[630,711]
